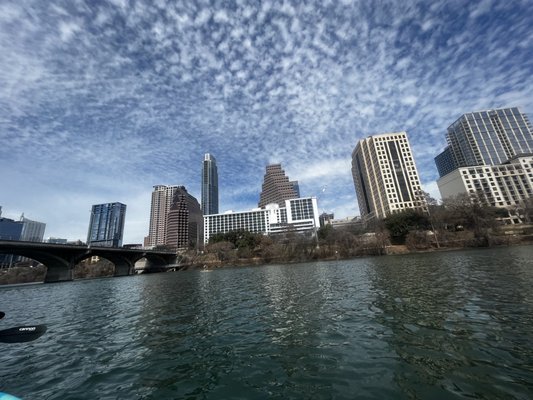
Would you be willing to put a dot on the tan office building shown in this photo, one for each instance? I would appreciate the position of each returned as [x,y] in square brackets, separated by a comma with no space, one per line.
[276,187]
[385,176]
[162,198]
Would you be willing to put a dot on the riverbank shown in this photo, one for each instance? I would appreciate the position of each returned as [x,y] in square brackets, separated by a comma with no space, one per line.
[208,262]
[299,252]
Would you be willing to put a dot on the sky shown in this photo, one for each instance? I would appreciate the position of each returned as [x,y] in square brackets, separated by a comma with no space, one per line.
[102,100]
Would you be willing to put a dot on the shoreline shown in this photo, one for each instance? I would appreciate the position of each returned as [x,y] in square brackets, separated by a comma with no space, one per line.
[245,262]
[8,277]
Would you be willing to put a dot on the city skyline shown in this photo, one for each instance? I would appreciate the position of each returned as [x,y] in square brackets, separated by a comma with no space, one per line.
[99,102]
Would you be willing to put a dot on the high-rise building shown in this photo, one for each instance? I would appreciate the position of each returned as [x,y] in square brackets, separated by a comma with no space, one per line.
[296,187]
[276,187]
[209,185]
[32,231]
[296,215]
[445,162]
[326,218]
[506,185]
[385,176]
[106,227]
[488,137]
[162,197]
[10,229]
[184,221]
[24,229]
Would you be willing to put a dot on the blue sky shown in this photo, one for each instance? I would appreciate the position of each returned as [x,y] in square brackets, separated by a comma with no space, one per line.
[101,100]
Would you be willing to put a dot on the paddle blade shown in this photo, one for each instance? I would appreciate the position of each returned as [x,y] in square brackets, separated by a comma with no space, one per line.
[20,334]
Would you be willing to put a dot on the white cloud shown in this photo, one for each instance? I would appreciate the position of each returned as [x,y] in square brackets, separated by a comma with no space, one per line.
[67,30]
[110,100]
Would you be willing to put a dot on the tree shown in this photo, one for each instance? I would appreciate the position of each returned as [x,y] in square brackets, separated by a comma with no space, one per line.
[325,231]
[526,209]
[401,223]
[239,238]
[471,212]
[223,250]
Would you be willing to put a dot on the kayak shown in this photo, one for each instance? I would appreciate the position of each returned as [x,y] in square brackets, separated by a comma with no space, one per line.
[5,396]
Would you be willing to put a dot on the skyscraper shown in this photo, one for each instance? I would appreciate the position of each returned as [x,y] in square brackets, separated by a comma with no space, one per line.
[209,185]
[10,229]
[385,176]
[106,227]
[488,137]
[185,222]
[276,187]
[162,197]
[32,231]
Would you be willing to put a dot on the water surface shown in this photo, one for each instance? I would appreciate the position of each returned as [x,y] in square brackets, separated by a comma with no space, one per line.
[433,326]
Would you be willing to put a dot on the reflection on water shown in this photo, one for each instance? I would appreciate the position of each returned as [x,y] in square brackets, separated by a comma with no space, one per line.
[446,325]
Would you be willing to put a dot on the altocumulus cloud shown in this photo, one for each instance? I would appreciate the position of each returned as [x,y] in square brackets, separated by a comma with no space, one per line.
[99,101]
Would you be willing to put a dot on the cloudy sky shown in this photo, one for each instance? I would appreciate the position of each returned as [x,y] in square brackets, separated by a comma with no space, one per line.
[101,100]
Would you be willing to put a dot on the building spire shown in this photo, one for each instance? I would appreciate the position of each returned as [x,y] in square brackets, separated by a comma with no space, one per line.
[277,188]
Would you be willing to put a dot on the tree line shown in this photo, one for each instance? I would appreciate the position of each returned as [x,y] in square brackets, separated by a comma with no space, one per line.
[462,221]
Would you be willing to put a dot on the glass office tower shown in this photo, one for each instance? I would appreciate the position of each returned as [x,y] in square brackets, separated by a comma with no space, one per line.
[106,227]
[488,137]
[209,185]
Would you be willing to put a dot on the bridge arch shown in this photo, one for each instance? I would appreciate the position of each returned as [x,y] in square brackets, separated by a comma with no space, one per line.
[60,260]
[57,268]
[154,262]
[123,264]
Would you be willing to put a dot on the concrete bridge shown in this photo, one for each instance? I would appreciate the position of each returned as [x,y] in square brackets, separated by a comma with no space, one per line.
[60,259]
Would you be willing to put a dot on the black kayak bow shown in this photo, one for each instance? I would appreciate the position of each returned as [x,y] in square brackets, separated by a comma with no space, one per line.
[21,334]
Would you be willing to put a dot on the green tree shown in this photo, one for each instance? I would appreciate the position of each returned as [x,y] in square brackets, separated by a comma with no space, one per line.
[325,231]
[239,238]
[401,223]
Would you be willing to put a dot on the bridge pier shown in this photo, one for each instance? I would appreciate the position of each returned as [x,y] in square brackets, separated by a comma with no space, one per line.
[155,265]
[123,269]
[57,273]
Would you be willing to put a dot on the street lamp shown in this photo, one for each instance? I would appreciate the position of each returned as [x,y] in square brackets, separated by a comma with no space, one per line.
[421,197]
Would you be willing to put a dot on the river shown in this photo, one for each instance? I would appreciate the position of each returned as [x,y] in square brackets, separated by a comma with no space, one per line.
[444,325]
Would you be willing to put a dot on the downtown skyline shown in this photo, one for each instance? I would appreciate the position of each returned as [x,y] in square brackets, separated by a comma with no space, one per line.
[100,101]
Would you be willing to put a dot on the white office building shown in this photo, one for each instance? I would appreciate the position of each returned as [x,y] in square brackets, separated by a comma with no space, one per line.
[385,176]
[505,185]
[298,215]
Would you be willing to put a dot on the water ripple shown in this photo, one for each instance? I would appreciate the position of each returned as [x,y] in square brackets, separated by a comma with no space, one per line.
[446,325]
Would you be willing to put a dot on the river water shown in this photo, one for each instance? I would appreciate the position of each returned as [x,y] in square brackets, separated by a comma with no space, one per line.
[429,326]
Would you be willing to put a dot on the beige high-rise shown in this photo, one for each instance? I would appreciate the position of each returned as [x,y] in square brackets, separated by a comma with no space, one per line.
[161,202]
[276,187]
[385,176]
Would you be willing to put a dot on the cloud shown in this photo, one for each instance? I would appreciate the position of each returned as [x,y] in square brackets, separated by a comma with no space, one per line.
[100,103]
